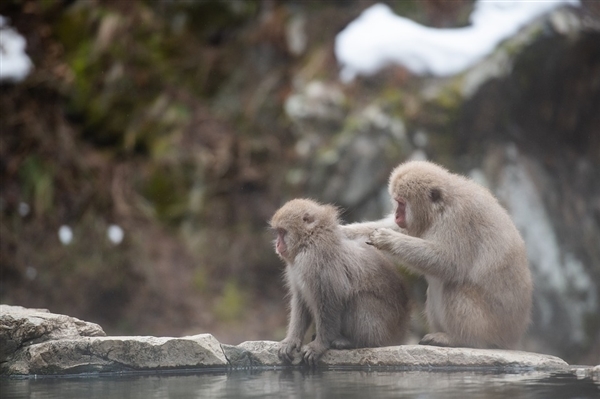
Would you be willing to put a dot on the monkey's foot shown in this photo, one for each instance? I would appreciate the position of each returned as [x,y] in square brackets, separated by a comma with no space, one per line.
[312,352]
[436,339]
[341,343]
[287,349]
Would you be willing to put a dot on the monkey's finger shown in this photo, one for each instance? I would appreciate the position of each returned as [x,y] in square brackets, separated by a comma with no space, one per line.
[281,355]
[285,355]
[310,358]
[289,355]
[306,359]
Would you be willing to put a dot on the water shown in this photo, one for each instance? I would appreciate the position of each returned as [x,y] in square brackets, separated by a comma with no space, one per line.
[306,384]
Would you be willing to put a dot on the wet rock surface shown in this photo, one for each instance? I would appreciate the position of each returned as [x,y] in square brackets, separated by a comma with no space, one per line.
[20,327]
[72,346]
[264,353]
[106,354]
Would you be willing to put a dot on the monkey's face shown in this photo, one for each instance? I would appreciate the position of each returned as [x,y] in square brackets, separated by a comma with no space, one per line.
[400,212]
[280,246]
[298,224]
[285,242]
[292,232]
[416,190]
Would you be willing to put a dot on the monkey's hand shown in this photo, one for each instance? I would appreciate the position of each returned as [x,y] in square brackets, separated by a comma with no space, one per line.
[287,349]
[312,352]
[382,238]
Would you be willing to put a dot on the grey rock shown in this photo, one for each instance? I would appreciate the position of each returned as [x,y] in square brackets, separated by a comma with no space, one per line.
[581,372]
[421,356]
[566,295]
[64,349]
[103,354]
[264,353]
[254,353]
[20,326]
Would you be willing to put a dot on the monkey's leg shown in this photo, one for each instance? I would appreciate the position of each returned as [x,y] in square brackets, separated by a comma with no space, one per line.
[340,342]
[328,324]
[300,320]
[433,308]
[469,319]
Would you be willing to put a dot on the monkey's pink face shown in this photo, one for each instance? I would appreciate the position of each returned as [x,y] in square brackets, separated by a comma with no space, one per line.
[280,245]
[400,214]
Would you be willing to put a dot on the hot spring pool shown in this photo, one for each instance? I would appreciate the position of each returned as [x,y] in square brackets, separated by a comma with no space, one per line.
[300,383]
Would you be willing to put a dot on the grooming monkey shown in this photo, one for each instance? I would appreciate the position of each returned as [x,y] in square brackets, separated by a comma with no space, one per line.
[455,232]
[349,290]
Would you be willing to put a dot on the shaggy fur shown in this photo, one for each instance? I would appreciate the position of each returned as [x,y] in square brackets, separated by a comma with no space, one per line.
[456,234]
[353,294]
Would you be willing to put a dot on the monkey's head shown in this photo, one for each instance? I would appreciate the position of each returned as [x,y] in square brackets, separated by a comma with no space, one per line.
[419,192]
[300,223]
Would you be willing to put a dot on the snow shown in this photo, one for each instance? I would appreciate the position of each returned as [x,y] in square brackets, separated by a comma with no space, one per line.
[378,37]
[115,234]
[65,234]
[15,65]
[24,209]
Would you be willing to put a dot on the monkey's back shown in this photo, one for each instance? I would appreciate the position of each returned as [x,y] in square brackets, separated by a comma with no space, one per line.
[379,309]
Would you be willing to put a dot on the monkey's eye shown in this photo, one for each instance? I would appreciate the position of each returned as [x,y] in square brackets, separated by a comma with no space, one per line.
[280,232]
[435,194]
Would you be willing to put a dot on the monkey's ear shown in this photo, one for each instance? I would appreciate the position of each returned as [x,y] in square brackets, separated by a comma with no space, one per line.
[435,194]
[308,218]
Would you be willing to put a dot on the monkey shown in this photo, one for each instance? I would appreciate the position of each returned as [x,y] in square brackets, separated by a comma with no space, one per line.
[353,294]
[455,233]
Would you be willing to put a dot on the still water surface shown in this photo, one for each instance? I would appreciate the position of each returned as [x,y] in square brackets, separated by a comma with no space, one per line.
[306,384]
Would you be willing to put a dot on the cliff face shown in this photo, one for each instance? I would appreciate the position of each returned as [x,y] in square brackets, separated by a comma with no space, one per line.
[541,130]
[188,125]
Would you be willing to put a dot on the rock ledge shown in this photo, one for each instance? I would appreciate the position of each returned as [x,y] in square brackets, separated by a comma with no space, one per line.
[35,341]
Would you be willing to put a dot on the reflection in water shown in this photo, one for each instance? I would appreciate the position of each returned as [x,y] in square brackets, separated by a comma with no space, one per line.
[298,383]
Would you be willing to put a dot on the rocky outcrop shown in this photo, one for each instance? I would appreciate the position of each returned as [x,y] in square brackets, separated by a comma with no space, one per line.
[105,354]
[21,327]
[35,341]
[44,343]
[264,353]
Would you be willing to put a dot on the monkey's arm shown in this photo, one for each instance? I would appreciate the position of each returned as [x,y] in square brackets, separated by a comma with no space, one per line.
[425,257]
[300,320]
[363,229]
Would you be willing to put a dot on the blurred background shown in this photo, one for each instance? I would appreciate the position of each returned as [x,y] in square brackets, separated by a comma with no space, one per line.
[149,143]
